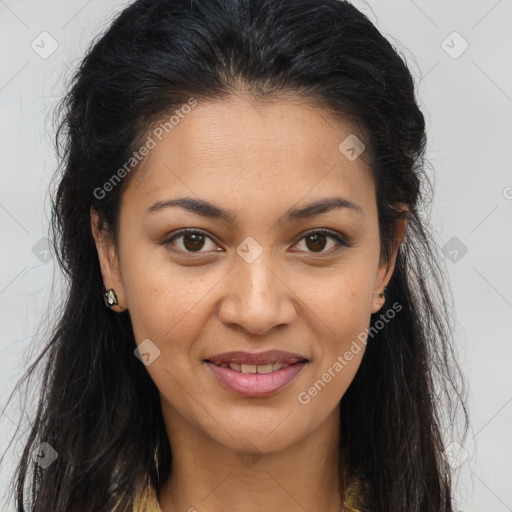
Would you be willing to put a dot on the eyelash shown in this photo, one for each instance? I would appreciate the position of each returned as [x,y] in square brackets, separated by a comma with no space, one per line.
[330,234]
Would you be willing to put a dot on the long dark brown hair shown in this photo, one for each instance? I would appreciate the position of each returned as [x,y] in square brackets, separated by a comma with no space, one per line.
[98,407]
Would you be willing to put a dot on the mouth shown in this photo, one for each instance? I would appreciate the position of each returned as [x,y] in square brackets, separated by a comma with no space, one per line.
[256,375]
[257,368]
[269,357]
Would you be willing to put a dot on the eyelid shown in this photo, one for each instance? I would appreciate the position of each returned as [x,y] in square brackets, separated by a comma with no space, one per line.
[342,240]
[338,237]
[168,240]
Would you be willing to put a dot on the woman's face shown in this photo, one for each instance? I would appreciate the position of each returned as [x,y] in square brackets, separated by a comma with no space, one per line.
[250,276]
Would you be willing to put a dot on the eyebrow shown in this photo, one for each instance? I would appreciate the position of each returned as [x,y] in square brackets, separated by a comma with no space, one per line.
[206,209]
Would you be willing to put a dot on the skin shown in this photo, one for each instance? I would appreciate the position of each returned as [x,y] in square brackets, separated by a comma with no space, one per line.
[257,160]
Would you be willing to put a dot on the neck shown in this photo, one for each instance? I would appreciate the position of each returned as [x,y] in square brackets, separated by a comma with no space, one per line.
[208,476]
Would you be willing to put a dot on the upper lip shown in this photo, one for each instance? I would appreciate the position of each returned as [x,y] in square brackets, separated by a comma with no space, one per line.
[269,356]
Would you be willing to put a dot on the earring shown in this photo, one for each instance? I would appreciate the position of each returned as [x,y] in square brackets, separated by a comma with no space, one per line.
[110,297]
[382,294]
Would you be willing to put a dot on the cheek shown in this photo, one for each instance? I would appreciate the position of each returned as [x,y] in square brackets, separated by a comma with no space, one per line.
[322,394]
[163,298]
[340,300]
[339,307]
[168,309]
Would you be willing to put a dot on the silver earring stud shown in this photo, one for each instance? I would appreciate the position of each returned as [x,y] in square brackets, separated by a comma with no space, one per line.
[110,297]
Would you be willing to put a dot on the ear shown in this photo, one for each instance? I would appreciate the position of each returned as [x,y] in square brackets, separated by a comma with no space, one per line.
[108,259]
[386,269]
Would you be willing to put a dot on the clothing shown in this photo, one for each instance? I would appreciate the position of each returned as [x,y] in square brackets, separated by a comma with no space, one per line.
[147,501]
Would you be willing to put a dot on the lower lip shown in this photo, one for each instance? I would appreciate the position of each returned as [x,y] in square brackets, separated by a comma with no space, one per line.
[255,384]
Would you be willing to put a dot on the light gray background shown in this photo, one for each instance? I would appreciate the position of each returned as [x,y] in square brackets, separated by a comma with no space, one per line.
[467,102]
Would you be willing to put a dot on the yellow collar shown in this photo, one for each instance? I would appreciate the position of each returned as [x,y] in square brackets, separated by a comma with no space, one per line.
[146,499]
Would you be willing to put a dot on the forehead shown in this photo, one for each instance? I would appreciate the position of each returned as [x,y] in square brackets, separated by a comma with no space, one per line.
[248,152]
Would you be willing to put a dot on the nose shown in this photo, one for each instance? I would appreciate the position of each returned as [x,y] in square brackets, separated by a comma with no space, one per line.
[257,299]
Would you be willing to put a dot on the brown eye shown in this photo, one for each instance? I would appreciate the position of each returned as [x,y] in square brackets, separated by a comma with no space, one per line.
[190,241]
[316,242]
[193,242]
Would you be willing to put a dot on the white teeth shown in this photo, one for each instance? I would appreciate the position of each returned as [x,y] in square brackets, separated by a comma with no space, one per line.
[264,368]
[253,368]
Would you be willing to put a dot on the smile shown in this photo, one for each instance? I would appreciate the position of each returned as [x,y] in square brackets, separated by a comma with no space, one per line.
[253,368]
[255,381]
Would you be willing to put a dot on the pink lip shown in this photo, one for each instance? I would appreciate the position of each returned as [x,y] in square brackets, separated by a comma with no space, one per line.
[255,384]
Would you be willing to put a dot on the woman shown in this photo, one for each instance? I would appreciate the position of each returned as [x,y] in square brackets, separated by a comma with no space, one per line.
[249,324]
